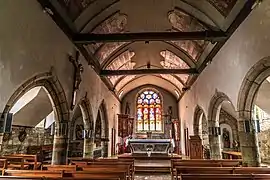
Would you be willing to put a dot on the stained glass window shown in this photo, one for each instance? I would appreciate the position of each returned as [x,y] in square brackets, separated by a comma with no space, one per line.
[149,111]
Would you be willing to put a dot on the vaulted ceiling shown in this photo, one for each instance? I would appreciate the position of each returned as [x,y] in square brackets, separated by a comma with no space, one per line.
[135,42]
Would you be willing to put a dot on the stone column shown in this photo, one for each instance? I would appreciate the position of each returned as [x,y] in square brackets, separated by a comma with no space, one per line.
[215,144]
[1,142]
[59,155]
[104,145]
[249,143]
[88,148]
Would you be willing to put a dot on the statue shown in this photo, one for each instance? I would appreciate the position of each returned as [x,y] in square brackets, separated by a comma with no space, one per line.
[226,138]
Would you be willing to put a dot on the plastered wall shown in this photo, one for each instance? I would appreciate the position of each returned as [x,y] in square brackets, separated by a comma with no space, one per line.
[31,43]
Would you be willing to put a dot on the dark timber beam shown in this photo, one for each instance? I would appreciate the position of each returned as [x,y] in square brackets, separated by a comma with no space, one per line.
[87,38]
[147,71]
[51,10]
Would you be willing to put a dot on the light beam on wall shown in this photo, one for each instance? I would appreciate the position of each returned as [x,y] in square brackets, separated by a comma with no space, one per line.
[25,99]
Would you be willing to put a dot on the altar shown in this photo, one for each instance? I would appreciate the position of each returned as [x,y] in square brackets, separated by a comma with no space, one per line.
[151,147]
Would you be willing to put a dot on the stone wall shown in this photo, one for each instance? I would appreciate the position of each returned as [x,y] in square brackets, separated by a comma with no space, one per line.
[34,137]
[264,145]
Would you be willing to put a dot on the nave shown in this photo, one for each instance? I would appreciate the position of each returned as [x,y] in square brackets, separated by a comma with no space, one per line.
[124,89]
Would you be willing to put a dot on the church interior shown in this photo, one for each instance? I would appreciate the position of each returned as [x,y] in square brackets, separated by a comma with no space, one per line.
[135,89]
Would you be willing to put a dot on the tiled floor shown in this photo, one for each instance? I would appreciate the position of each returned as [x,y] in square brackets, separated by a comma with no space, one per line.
[152,177]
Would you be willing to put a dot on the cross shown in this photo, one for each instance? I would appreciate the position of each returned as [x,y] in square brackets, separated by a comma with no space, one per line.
[78,69]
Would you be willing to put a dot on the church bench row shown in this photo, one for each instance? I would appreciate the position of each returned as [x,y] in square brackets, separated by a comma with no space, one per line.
[93,168]
[96,173]
[225,176]
[203,163]
[21,161]
[220,170]
[107,162]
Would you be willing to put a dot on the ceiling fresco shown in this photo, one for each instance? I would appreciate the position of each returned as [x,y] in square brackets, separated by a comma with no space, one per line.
[223,6]
[172,61]
[122,62]
[75,7]
[123,16]
[116,23]
[181,21]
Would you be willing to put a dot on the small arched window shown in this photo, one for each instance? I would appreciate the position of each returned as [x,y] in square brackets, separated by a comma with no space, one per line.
[149,107]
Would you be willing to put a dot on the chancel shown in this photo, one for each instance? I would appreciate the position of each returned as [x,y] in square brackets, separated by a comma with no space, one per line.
[134,89]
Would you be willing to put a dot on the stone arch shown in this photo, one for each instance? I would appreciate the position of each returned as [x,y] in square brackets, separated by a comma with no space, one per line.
[102,112]
[199,119]
[214,107]
[213,123]
[231,121]
[84,107]
[247,94]
[196,119]
[56,94]
[54,90]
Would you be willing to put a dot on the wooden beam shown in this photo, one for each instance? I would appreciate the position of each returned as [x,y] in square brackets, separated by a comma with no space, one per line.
[88,38]
[51,10]
[147,71]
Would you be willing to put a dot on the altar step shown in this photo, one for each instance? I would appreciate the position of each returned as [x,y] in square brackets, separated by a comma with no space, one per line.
[153,166]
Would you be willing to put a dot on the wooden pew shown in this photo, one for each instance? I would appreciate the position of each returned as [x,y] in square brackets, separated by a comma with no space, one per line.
[202,163]
[98,173]
[3,165]
[94,172]
[34,173]
[113,162]
[15,162]
[221,170]
[114,168]
[28,159]
[110,162]
[202,170]
[60,167]
[225,176]
[216,177]
[252,170]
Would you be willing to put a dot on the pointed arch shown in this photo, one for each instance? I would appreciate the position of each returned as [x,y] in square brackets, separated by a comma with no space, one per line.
[103,118]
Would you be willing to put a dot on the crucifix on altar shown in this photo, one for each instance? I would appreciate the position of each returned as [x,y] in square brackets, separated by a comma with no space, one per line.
[78,70]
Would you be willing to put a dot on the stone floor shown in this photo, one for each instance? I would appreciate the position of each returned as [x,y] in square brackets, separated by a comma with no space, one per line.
[152,177]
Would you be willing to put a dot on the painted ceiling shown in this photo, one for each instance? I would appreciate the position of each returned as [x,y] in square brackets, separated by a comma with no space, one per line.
[121,16]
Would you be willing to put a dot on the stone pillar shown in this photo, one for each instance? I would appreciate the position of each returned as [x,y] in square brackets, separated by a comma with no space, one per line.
[1,142]
[59,155]
[249,143]
[88,148]
[104,151]
[215,144]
